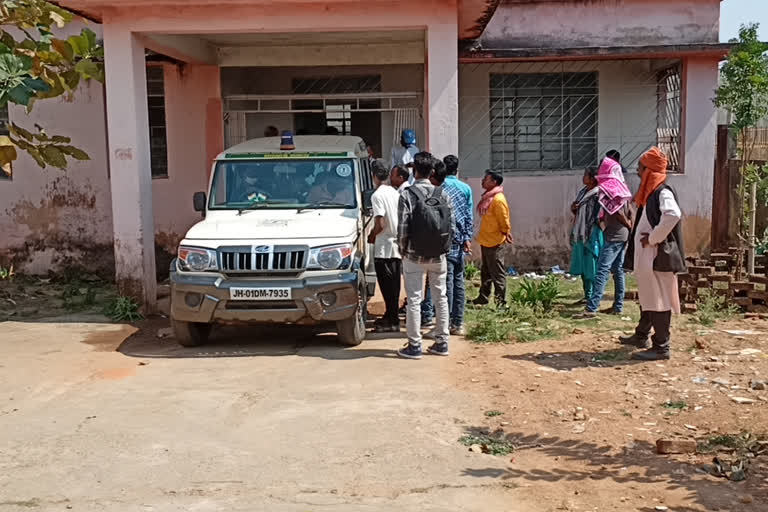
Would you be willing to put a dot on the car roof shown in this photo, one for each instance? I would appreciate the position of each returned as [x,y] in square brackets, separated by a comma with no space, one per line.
[311,145]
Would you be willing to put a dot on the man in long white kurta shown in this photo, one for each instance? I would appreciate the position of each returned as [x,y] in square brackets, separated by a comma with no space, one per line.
[657,290]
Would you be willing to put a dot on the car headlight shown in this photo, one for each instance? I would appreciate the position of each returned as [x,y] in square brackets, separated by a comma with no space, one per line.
[332,257]
[197,259]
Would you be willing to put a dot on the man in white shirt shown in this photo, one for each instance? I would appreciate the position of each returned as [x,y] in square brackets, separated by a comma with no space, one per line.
[386,255]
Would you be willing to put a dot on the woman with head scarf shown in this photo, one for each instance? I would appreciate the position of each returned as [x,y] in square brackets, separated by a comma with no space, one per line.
[656,254]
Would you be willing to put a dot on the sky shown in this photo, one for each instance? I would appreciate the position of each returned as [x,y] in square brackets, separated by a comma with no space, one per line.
[734,13]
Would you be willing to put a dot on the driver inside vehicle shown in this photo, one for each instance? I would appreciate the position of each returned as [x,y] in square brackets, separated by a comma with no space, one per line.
[252,185]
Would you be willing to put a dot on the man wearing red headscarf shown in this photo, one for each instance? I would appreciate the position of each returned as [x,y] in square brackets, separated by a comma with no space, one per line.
[656,255]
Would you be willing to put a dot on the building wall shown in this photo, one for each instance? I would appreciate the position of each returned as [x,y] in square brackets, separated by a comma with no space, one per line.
[51,219]
[189,90]
[539,202]
[566,24]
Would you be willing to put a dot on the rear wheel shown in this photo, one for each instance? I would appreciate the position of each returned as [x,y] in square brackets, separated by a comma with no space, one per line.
[190,334]
[351,331]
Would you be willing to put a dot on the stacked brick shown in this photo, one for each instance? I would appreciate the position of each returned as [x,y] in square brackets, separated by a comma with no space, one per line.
[719,274]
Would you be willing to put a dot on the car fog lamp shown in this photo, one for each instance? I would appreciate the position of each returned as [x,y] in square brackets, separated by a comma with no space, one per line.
[327,299]
[193,299]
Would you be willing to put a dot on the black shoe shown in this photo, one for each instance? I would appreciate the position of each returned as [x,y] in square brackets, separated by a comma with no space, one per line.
[636,341]
[427,322]
[479,302]
[438,349]
[651,355]
[409,352]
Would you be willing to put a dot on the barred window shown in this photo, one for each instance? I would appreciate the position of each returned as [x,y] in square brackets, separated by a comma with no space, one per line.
[158,136]
[669,114]
[543,121]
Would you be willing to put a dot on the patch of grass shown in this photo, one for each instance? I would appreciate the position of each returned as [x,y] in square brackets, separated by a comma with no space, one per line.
[611,355]
[493,413]
[490,444]
[6,273]
[471,271]
[711,307]
[538,293]
[123,309]
[675,404]
[519,322]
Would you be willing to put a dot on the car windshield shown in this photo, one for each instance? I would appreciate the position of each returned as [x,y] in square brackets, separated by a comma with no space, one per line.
[283,184]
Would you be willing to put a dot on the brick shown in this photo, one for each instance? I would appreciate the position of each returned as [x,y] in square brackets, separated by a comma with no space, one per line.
[703,283]
[757,311]
[759,279]
[757,294]
[723,278]
[741,286]
[741,301]
[630,295]
[720,256]
[686,278]
[675,446]
[700,270]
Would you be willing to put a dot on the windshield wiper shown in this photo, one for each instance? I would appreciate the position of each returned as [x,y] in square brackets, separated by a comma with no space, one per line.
[318,204]
[254,206]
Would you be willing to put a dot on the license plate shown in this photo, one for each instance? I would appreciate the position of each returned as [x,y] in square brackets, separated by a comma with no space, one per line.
[260,293]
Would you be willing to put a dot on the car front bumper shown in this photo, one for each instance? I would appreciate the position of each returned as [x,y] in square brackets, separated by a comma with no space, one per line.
[205,298]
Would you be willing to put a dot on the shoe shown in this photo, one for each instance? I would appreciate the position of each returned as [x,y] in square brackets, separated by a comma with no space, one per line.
[478,302]
[409,352]
[651,355]
[580,302]
[635,341]
[429,335]
[585,315]
[610,311]
[428,322]
[382,328]
[438,349]
[458,331]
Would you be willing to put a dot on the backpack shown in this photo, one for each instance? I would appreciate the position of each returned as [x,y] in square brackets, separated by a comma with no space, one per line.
[429,230]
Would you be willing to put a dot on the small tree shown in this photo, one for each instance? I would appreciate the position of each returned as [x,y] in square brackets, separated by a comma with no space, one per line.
[35,65]
[743,91]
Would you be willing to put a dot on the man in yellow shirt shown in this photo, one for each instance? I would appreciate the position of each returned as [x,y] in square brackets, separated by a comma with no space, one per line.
[495,231]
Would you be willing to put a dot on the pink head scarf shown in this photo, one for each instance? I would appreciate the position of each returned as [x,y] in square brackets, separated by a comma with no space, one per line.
[614,192]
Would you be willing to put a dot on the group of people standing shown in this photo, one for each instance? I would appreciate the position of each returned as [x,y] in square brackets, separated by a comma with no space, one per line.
[607,238]
[423,228]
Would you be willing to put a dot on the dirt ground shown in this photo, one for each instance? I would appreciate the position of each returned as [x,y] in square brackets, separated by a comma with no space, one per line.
[99,416]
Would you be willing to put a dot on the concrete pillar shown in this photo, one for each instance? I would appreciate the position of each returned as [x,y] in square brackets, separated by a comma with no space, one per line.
[442,85]
[129,159]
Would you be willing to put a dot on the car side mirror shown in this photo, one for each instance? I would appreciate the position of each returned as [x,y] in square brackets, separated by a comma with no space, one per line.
[198,200]
[367,201]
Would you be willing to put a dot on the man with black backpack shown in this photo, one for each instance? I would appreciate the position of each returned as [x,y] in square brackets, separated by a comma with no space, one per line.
[424,235]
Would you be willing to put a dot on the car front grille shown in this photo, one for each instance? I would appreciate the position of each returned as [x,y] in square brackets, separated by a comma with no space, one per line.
[266,259]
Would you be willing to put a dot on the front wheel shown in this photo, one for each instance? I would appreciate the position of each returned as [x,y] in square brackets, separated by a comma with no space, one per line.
[190,334]
[351,331]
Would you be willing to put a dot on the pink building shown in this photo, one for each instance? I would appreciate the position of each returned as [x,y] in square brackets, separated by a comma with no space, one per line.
[536,88]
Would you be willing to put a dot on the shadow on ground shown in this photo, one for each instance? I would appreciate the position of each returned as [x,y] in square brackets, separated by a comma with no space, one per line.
[256,341]
[634,463]
[578,359]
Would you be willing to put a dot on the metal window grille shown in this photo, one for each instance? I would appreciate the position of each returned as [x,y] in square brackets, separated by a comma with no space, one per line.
[337,85]
[158,135]
[340,117]
[669,114]
[543,121]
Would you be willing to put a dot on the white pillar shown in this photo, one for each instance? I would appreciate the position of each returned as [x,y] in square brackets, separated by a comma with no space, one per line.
[442,85]
[129,159]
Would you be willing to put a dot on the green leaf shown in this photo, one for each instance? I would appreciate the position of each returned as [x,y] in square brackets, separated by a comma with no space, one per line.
[77,154]
[21,95]
[59,139]
[54,156]
[87,68]
[79,46]
[71,79]
[37,85]
[21,132]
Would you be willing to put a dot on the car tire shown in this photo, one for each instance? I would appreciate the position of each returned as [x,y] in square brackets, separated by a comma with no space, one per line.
[351,331]
[190,334]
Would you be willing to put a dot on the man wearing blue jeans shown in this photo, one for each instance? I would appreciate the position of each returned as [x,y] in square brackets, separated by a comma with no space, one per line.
[611,260]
